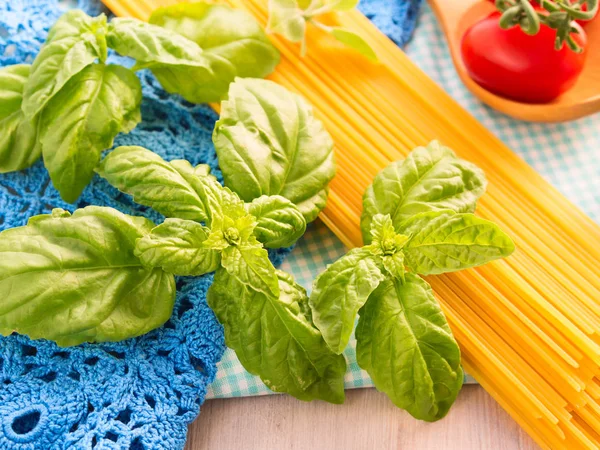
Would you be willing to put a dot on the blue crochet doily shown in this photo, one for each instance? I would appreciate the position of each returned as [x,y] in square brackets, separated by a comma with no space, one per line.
[141,393]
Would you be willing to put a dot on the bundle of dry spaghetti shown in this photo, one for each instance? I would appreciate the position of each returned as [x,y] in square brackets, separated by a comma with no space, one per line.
[528,326]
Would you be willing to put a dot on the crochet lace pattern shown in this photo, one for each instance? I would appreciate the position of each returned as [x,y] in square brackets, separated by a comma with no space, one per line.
[141,393]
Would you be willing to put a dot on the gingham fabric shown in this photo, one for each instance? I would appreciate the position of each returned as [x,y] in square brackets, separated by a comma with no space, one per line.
[567,155]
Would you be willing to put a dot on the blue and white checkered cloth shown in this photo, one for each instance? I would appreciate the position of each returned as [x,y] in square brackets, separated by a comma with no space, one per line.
[567,155]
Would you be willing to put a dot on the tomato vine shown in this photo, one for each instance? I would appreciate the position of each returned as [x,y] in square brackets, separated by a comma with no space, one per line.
[556,14]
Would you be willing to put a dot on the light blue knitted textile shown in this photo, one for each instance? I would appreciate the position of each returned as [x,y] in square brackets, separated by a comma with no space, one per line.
[395,18]
[141,393]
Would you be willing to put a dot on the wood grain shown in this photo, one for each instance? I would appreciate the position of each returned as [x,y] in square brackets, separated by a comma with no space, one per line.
[367,420]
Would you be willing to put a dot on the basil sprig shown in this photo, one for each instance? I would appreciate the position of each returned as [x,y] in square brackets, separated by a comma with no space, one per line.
[417,219]
[100,275]
[264,312]
[68,105]
[290,19]
[72,104]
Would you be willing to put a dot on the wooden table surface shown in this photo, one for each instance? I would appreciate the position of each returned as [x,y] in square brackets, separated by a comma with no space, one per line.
[367,420]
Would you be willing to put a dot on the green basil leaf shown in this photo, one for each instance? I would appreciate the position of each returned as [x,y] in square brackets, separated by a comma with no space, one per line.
[287,19]
[269,143]
[219,201]
[385,239]
[74,42]
[179,64]
[175,189]
[339,292]
[93,107]
[355,42]
[431,178]
[274,338]
[344,5]
[250,265]
[75,278]
[406,346]
[226,230]
[233,42]
[305,4]
[177,246]
[153,46]
[445,241]
[12,81]
[394,265]
[388,245]
[19,147]
[280,223]
[156,183]
[382,228]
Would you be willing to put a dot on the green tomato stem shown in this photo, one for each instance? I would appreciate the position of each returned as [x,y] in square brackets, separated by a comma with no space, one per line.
[533,21]
[561,17]
[576,12]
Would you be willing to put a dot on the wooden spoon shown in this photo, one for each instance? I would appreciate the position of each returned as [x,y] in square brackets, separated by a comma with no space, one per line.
[456,16]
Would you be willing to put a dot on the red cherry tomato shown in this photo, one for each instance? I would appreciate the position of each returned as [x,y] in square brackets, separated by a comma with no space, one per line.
[515,65]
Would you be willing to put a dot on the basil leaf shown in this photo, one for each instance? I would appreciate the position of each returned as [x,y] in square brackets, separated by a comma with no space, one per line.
[274,337]
[305,4]
[280,223]
[287,19]
[250,265]
[339,292]
[444,241]
[354,41]
[175,189]
[178,63]
[93,107]
[431,178]
[394,265]
[344,5]
[388,245]
[156,183]
[153,46]
[269,143]
[74,42]
[227,230]
[177,246]
[219,201]
[385,240]
[406,346]
[75,278]
[19,147]
[12,80]
[233,42]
